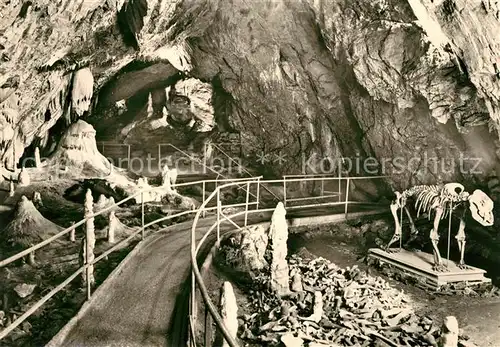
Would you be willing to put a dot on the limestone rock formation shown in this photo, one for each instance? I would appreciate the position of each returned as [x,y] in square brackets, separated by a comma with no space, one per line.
[278,236]
[252,246]
[77,154]
[28,227]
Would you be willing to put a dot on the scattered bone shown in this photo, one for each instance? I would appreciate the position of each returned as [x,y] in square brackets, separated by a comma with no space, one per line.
[344,307]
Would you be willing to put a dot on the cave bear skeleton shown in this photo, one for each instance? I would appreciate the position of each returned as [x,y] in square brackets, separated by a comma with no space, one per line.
[441,199]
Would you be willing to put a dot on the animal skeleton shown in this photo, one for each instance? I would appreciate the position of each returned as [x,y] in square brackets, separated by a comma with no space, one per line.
[442,199]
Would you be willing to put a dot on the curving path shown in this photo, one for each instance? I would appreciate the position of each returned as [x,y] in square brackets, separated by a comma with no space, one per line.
[147,306]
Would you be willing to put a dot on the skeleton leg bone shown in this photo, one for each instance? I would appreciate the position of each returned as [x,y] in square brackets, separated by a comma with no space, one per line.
[434,236]
[413,231]
[461,244]
[397,233]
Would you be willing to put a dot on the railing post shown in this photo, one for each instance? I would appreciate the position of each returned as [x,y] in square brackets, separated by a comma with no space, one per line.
[203,197]
[205,159]
[218,216]
[322,186]
[208,328]
[340,179]
[159,154]
[347,196]
[142,214]
[284,191]
[258,194]
[193,300]
[246,203]
[128,157]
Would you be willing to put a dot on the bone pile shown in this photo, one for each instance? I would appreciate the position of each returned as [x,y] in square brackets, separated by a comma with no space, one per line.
[331,306]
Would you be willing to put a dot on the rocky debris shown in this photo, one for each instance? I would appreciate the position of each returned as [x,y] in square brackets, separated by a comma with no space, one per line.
[344,307]
[278,236]
[229,310]
[24,290]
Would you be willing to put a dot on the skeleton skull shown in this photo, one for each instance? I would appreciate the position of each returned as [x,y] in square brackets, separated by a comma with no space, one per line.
[481,207]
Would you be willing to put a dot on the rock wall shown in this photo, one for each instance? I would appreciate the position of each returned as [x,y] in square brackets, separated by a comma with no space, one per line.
[407,79]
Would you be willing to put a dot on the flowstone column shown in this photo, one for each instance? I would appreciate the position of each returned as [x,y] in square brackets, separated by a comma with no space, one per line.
[278,235]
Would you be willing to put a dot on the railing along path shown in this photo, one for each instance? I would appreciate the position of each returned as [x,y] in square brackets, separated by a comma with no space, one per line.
[199,212]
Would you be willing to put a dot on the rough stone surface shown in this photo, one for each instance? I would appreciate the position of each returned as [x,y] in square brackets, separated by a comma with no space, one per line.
[384,78]
[252,247]
[278,236]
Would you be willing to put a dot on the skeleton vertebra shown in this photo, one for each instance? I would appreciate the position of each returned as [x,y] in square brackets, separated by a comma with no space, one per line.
[442,199]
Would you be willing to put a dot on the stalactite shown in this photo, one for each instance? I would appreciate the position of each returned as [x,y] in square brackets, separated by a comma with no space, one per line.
[81,94]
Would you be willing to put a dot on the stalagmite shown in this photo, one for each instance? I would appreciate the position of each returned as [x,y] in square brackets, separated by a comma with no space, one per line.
[150,109]
[278,235]
[31,258]
[229,311]
[113,223]
[449,337]
[12,190]
[24,178]
[89,243]
[37,199]
[38,162]
[72,233]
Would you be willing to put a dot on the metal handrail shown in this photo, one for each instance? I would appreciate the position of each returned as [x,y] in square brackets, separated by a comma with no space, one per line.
[192,158]
[244,169]
[196,248]
[48,296]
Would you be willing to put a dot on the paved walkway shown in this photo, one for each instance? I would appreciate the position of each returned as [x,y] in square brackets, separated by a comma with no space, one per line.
[141,309]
